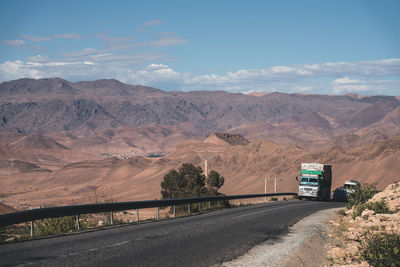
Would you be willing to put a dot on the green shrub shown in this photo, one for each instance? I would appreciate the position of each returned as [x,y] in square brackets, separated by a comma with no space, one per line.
[56,225]
[341,212]
[362,194]
[378,207]
[381,249]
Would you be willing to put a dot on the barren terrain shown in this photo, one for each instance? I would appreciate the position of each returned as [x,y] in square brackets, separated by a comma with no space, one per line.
[243,166]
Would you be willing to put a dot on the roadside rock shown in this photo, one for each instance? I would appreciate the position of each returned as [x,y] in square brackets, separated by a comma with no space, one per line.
[347,233]
[391,195]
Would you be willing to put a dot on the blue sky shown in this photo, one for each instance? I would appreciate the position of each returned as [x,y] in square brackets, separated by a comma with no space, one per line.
[329,47]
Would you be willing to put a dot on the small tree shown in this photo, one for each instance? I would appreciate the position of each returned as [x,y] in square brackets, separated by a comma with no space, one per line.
[170,186]
[189,181]
[214,182]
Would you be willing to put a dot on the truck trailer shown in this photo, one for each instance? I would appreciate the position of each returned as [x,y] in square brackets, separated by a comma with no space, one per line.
[315,181]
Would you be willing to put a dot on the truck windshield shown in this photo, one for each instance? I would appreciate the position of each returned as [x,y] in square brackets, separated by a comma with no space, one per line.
[308,181]
[350,186]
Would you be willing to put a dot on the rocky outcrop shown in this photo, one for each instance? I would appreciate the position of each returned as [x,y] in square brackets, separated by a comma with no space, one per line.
[347,233]
[233,139]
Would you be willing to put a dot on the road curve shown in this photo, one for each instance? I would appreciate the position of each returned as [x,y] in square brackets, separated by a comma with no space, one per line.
[202,240]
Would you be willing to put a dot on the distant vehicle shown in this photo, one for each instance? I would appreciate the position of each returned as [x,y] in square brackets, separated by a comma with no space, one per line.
[340,194]
[350,186]
[315,181]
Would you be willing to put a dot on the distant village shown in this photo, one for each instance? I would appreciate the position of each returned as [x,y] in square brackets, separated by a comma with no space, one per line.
[130,154]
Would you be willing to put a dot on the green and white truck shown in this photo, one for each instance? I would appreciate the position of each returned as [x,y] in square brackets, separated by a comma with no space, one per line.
[315,181]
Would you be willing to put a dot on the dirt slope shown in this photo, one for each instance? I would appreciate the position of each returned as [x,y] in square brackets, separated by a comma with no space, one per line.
[243,166]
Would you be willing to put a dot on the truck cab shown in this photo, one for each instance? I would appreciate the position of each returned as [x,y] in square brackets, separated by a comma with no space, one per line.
[309,187]
[351,186]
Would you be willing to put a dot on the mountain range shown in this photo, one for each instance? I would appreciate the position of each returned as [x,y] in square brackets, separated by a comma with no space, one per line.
[138,118]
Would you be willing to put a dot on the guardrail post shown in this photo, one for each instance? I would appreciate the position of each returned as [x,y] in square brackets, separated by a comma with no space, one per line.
[174,211]
[137,215]
[189,208]
[158,213]
[111,218]
[32,228]
[78,225]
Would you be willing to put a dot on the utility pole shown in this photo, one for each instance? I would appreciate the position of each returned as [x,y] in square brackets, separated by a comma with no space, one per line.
[265,185]
[206,158]
[265,189]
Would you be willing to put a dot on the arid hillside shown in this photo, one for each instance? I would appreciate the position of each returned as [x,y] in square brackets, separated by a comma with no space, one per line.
[244,167]
[39,150]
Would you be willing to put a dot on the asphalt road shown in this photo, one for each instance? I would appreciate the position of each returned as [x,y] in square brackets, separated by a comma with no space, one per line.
[202,240]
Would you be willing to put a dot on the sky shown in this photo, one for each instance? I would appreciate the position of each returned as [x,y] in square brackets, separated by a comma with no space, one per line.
[325,47]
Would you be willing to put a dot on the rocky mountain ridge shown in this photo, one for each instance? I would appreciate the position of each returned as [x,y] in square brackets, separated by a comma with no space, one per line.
[92,109]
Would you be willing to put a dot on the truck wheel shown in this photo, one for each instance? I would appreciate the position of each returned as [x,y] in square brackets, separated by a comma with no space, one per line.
[300,198]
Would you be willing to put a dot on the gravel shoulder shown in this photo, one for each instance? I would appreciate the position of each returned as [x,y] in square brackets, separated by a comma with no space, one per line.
[303,246]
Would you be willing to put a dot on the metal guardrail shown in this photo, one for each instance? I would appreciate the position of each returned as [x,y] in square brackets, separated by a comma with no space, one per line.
[51,212]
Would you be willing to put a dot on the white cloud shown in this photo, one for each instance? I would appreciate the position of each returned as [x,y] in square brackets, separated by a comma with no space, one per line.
[35,38]
[113,58]
[68,36]
[157,73]
[368,77]
[18,69]
[89,63]
[156,67]
[53,64]
[347,85]
[167,39]
[153,22]
[113,40]
[81,53]
[14,42]
[149,24]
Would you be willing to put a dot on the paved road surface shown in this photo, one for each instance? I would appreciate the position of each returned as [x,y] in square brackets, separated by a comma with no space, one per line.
[201,240]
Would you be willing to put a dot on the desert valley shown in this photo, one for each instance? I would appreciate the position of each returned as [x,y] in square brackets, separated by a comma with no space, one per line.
[63,142]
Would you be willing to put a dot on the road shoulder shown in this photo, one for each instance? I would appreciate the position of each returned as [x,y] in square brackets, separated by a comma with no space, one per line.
[304,245]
